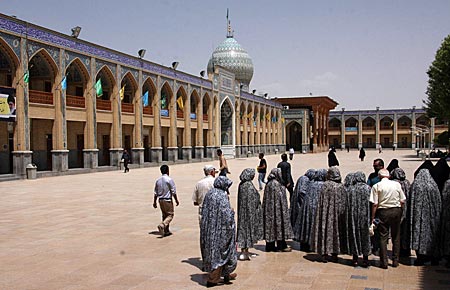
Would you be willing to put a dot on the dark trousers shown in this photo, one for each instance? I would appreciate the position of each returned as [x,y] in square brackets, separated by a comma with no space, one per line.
[125,164]
[390,218]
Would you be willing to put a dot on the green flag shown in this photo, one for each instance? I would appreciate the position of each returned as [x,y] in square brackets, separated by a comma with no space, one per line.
[26,77]
[98,88]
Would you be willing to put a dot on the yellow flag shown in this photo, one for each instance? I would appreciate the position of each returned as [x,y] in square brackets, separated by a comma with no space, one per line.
[268,116]
[180,102]
[282,120]
[122,92]
[249,115]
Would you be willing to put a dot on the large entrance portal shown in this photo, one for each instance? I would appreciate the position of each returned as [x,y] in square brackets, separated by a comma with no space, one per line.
[294,136]
[226,124]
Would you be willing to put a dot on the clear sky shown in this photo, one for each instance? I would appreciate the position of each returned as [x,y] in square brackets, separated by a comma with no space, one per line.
[361,53]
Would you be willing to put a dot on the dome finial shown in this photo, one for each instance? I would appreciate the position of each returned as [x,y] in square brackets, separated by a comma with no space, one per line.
[229,30]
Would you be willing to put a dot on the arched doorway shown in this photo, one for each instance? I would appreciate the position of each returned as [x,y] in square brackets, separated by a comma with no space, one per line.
[226,123]
[294,136]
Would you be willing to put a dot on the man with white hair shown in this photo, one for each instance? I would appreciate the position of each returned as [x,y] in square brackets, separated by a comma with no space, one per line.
[202,187]
[388,199]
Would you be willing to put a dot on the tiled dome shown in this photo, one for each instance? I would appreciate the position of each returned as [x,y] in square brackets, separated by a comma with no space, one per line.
[231,56]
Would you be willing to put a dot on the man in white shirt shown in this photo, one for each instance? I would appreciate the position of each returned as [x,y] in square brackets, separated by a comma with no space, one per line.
[388,199]
[202,187]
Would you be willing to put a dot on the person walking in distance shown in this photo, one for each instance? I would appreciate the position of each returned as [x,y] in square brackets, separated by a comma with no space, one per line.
[165,190]
[286,175]
[126,160]
[262,170]
[223,166]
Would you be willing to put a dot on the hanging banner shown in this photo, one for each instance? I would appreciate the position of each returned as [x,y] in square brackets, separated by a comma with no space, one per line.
[7,104]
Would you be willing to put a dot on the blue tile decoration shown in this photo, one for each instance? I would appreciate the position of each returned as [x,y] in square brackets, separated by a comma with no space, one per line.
[100,64]
[23,29]
[259,99]
[13,42]
[71,56]
[34,47]
[372,288]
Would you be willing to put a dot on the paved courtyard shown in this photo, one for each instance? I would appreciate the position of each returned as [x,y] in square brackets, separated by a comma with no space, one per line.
[98,231]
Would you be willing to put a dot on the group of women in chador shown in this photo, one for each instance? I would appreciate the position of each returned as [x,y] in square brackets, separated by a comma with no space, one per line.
[326,215]
[332,217]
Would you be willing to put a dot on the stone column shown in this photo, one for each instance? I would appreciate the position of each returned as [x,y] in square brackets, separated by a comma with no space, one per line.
[22,156]
[238,128]
[360,131]
[173,148]
[116,151]
[264,129]
[395,131]
[377,128]
[251,141]
[137,152]
[187,142]
[156,150]
[60,154]
[199,145]
[90,153]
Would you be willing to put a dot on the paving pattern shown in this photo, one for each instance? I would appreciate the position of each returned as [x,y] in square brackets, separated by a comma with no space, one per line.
[98,231]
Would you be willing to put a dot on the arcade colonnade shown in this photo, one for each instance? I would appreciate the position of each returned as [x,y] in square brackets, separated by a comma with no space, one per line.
[399,128]
[157,113]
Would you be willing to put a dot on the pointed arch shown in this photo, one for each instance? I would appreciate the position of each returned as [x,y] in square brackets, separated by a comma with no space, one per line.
[9,64]
[166,98]
[404,122]
[368,123]
[194,102]
[149,86]
[386,123]
[108,82]
[207,106]
[42,74]
[77,78]
[130,88]
[226,122]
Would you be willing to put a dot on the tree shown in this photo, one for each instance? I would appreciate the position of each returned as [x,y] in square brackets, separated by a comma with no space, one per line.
[438,91]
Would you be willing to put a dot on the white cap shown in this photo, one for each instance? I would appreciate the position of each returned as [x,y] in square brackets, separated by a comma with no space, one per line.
[383,173]
[209,168]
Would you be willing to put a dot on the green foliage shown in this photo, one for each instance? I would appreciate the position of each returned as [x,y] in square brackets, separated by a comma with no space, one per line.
[442,139]
[438,91]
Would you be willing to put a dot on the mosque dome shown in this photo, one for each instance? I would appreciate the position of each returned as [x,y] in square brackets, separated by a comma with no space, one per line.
[231,56]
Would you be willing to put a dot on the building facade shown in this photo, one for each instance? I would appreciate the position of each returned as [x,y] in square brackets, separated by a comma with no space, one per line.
[305,120]
[65,120]
[398,128]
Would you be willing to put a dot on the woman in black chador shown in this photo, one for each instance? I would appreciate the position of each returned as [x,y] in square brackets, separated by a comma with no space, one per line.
[249,225]
[332,159]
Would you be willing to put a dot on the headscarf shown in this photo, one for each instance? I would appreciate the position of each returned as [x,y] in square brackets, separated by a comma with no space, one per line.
[275,173]
[392,165]
[222,182]
[425,165]
[440,173]
[334,174]
[247,175]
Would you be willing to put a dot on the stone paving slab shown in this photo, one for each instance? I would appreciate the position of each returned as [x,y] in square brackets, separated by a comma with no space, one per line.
[98,231]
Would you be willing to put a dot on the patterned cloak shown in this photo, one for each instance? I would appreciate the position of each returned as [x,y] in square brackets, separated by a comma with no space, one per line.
[358,212]
[399,175]
[445,230]
[309,206]
[301,190]
[218,230]
[277,225]
[249,225]
[325,235]
[425,212]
